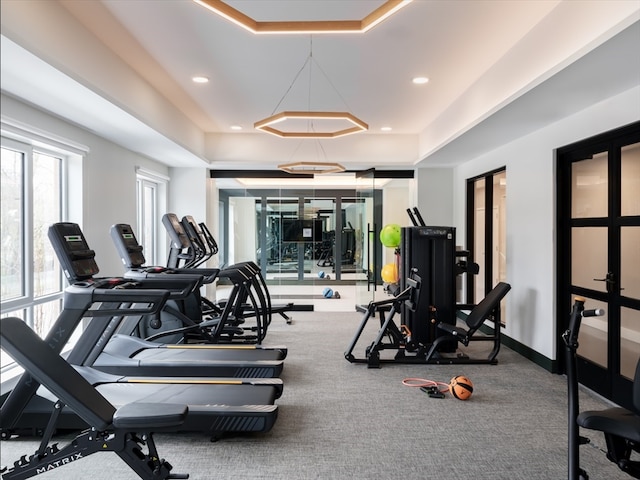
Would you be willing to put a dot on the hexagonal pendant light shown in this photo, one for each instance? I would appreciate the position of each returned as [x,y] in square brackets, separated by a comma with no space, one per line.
[352,123]
[381,13]
[311,167]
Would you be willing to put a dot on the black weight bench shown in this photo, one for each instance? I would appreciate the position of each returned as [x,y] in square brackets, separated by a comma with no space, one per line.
[124,431]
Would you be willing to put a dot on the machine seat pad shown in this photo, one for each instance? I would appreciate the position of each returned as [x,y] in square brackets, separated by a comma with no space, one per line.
[615,421]
[458,332]
[149,416]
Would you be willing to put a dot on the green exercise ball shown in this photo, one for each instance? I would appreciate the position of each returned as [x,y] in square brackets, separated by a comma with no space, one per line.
[390,235]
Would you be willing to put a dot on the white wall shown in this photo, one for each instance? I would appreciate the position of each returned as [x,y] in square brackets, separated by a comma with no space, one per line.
[244,229]
[188,192]
[435,196]
[108,180]
[213,216]
[531,242]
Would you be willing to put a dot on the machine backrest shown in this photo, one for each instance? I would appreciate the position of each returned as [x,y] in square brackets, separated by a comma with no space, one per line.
[483,309]
[51,370]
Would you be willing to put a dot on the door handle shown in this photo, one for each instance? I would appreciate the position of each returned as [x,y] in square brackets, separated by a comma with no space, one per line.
[608,279]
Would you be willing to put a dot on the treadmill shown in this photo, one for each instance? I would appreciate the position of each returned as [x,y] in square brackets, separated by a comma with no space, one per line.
[216,324]
[216,405]
[108,344]
[245,278]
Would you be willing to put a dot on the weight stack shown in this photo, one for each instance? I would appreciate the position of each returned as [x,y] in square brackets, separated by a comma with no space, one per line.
[432,251]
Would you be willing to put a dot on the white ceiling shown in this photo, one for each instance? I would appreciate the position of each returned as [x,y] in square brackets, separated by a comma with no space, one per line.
[498,70]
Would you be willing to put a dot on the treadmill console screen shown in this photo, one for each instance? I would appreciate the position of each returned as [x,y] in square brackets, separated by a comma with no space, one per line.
[129,249]
[175,231]
[73,252]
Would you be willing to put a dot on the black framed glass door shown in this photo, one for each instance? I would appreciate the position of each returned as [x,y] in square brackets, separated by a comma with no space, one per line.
[367,267]
[599,256]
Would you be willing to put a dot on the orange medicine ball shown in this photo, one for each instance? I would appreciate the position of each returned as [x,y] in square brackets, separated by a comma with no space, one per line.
[461,387]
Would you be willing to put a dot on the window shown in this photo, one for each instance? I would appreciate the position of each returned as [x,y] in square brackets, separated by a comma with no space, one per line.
[151,201]
[147,216]
[32,199]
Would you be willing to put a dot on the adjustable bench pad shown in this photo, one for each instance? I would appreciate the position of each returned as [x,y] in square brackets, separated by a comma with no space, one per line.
[149,416]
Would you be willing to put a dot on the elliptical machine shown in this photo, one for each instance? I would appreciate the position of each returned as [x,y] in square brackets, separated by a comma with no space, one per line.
[620,426]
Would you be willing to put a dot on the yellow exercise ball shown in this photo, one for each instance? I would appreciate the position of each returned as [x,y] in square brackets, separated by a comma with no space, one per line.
[389,273]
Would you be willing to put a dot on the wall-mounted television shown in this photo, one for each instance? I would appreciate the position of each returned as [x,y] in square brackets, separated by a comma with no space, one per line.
[295,230]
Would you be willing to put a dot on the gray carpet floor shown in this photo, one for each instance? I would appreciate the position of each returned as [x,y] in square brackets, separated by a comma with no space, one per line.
[339,420]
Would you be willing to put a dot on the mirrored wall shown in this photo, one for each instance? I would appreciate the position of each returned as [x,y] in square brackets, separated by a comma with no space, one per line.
[306,235]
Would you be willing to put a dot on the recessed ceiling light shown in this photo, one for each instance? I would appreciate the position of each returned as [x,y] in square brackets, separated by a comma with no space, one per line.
[236,127]
[386,129]
[200,79]
[420,80]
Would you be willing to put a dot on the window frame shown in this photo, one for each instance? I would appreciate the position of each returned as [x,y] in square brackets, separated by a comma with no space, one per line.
[28,142]
[28,297]
[159,185]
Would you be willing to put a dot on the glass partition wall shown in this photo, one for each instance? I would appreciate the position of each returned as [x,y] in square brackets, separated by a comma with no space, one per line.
[370,262]
[306,240]
[307,235]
